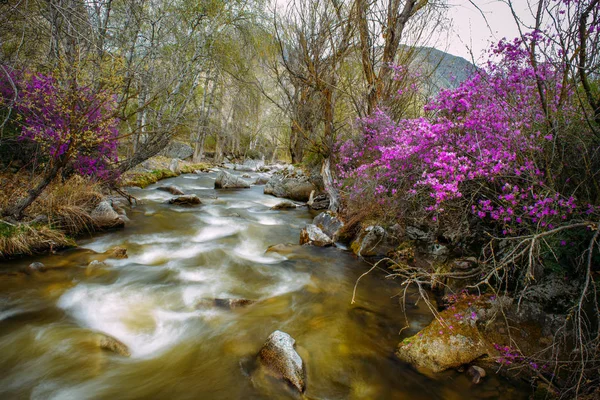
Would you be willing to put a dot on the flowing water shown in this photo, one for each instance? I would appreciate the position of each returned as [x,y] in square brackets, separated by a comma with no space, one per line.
[179,257]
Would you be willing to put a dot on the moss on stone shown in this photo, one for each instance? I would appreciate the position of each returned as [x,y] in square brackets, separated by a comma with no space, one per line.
[192,168]
[143,179]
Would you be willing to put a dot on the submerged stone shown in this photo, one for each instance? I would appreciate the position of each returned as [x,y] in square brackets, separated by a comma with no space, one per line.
[174,190]
[229,304]
[112,344]
[187,200]
[116,252]
[34,267]
[476,373]
[279,358]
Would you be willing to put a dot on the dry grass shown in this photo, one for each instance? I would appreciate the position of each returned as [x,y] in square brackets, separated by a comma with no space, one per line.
[68,205]
[63,209]
[26,239]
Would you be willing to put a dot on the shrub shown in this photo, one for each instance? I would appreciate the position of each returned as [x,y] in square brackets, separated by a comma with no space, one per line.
[489,148]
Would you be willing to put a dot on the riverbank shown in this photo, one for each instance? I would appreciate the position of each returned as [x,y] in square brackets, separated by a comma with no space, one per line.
[75,208]
[476,327]
[158,168]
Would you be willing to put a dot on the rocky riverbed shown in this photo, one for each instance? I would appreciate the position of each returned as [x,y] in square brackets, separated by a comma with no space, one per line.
[183,302]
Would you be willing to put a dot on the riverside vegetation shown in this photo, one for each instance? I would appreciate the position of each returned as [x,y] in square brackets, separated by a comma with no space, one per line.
[480,198]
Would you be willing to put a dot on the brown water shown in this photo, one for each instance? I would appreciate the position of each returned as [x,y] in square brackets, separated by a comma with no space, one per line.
[179,256]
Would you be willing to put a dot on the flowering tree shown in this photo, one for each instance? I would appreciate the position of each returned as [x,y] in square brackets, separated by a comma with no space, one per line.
[73,126]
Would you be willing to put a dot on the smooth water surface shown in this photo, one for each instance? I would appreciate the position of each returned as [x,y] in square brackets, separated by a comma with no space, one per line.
[179,257]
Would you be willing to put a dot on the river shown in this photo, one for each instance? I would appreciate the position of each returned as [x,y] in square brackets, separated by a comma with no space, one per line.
[179,257]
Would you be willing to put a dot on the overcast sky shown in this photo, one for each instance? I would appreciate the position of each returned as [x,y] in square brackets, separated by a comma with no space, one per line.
[470,30]
[469,27]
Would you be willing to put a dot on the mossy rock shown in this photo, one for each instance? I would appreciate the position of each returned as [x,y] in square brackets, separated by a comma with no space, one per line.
[143,179]
[449,341]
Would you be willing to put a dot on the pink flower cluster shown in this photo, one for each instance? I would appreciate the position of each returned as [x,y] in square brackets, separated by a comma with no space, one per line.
[69,122]
[485,142]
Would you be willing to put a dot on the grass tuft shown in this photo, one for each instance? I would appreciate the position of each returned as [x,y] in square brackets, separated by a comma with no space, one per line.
[26,239]
[68,205]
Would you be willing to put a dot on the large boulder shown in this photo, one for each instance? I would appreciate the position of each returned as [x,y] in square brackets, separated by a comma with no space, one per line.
[450,341]
[279,358]
[105,217]
[225,180]
[187,200]
[329,224]
[249,165]
[296,188]
[374,241]
[178,150]
[262,179]
[312,234]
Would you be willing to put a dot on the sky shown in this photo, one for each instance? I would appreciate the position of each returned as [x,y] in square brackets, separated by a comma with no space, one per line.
[470,30]
[469,27]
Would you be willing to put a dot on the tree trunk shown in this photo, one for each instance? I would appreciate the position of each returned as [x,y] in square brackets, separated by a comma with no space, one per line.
[16,211]
[334,197]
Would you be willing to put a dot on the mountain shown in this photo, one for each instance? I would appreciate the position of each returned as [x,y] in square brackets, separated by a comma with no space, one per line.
[446,71]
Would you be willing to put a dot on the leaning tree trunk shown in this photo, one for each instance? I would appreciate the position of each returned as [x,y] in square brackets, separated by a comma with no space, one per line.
[16,211]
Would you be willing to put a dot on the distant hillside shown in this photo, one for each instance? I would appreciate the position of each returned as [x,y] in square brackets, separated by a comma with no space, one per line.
[448,70]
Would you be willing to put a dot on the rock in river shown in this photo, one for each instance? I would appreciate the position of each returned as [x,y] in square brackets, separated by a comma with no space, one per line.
[262,179]
[295,188]
[225,180]
[105,217]
[229,304]
[187,200]
[34,267]
[280,359]
[117,252]
[171,189]
[109,343]
[284,205]
[312,234]
[451,340]
[329,223]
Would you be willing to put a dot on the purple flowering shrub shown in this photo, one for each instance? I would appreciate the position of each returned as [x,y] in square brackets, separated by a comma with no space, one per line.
[71,124]
[489,150]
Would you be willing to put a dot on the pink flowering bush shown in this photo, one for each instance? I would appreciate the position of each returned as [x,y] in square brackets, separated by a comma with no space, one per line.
[71,124]
[497,148]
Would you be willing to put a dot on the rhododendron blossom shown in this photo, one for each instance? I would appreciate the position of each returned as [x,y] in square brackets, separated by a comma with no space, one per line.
[487,138]
[73,124]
